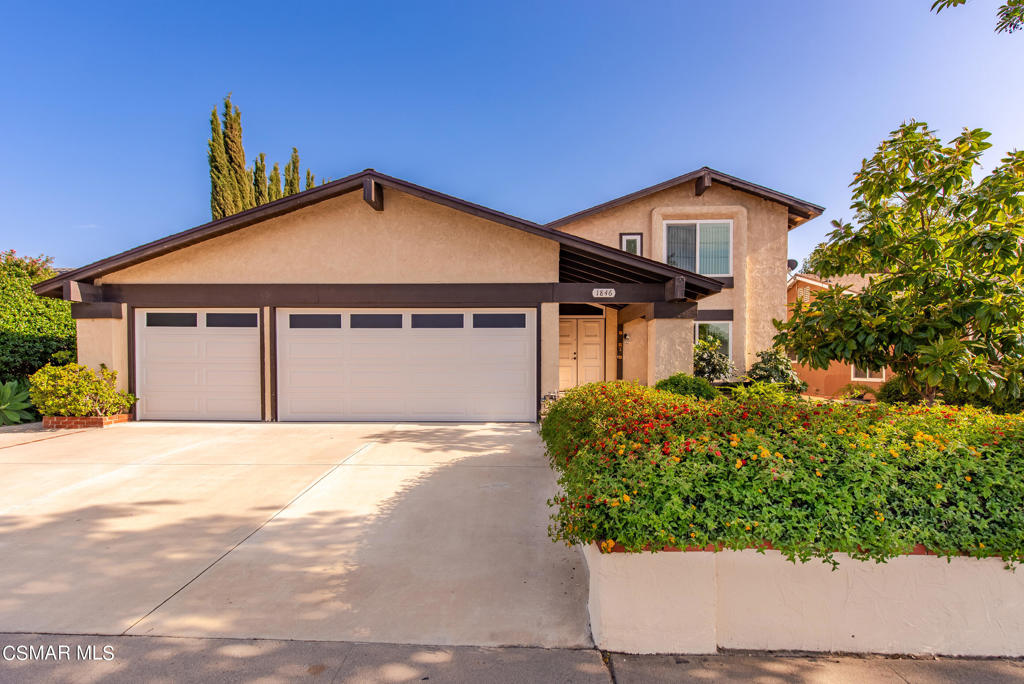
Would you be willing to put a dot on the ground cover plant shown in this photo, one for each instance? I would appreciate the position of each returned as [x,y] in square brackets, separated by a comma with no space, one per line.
[645,470]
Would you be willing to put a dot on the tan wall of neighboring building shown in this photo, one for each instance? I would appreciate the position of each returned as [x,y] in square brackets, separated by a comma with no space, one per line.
[760,243]
[104,341]
[343,240]
[831,381]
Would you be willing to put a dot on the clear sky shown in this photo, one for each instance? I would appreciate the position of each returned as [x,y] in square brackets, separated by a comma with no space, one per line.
[537,109]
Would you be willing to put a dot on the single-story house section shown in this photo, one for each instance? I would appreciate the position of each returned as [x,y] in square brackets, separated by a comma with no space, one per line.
[371,298]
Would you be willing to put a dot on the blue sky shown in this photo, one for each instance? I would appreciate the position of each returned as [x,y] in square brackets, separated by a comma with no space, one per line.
[538,109]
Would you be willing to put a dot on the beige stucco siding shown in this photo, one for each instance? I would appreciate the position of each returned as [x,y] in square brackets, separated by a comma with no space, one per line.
[760,244]
[104,341]
[343,240]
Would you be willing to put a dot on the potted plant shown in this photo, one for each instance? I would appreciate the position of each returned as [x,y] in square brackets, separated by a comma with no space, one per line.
[75,396]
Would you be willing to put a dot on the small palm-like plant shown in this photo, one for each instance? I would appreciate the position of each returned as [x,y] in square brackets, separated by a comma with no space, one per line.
[13,402]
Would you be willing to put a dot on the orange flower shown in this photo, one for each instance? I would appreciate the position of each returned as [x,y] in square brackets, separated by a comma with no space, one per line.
[818,473]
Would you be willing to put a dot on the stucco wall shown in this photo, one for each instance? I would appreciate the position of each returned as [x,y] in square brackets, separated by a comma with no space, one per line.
[634,351]
[343,240]
[698,602]
[105,341]
[669,348]
[760,244]
[548,348]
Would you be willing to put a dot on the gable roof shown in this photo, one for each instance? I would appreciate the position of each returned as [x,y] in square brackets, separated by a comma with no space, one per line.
[799,210]
[636,268]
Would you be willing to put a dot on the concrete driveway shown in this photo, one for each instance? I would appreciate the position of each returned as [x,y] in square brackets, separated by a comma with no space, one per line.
[422,534]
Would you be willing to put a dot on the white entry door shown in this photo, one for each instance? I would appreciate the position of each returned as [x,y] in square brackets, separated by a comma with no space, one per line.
[580,351]
[198,364]
[407,364]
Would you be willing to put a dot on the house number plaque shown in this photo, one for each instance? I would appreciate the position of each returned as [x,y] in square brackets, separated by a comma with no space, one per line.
[603,292]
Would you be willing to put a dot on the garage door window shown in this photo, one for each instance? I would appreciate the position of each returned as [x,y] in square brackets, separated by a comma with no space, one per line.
[314,321]
[171,320]
[375,321]
[437,320]
[499,320]
[232,320]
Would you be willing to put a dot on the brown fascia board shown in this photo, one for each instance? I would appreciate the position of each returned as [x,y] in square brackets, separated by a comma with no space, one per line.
[799,210]
[150,250]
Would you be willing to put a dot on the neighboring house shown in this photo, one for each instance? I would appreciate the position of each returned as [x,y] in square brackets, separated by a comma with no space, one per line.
[370,298]
[831,381]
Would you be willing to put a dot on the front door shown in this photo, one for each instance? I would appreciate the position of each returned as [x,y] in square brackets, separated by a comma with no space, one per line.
[580,351]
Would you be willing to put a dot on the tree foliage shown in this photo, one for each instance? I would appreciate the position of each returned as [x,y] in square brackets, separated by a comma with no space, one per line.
[944,305]
[709,361]
[234,186]
[1009,16]
[32,328]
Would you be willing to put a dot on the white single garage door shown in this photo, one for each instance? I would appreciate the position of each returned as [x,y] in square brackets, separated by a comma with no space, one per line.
[198,364]
[409,364]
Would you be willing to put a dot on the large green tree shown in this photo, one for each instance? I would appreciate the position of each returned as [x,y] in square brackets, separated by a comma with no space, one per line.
[1010,15]
[234,186]
[944,306]
[32,328]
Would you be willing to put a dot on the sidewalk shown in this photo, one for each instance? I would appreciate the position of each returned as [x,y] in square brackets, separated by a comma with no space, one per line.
[162,659]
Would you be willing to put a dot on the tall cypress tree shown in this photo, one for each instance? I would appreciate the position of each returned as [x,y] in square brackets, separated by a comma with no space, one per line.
[274,183]
[310,179]
[260,194]
[235,153]
[224,199]
[291,174]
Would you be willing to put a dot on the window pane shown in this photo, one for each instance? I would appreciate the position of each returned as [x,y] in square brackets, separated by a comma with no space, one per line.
[681,247]
[437,320]
[718,331]
[861,374]
[714,248]
[499,320]
[171,320]
[314,320]
[375,321]
[631,244]
[231,320]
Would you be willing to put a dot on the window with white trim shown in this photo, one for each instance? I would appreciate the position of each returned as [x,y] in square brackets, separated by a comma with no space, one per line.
[864,375]
[632,243]
[704,247]
[720,330]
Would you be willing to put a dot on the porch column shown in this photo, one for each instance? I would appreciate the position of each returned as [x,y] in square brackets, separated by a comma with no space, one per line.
[548,352]
[669,348]
[102,339]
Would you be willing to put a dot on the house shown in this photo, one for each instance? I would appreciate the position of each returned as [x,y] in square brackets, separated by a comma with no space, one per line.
[832,381]
[371,298]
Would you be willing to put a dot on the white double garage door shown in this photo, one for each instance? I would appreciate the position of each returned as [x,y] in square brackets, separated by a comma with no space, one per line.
[338,364]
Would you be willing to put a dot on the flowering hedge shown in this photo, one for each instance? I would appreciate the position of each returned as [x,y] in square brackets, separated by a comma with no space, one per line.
[647,470]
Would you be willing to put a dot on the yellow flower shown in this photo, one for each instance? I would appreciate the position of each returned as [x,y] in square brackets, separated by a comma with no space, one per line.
[778,455]
[894,453]
[750,431]
[693,535]
[756,523]
[739,463]
[980,545]
[625,498]
[747,527]
[615,502]
[938,485]
[968,478]
[734,443]
[818,473]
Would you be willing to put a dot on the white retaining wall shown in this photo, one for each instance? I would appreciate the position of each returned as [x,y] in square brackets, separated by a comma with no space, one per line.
[698,602]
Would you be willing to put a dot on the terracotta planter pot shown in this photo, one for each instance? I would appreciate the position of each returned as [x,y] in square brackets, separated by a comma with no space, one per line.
[66,422]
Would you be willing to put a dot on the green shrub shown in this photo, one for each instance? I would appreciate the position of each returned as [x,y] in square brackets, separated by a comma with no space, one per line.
[774,366]
[31,328]
[894,391]
[650,469]
[709,361]
[761,391]
[856,390]
[687,386]
[13,402]
[75,390]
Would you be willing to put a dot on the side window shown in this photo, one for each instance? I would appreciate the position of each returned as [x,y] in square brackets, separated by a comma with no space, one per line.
[718,331]
[632,243]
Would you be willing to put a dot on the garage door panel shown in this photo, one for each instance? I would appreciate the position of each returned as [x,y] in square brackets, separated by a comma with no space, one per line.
[230,349]
[319,348]
[421,373]
[172,348]
[232,377]
[192,372]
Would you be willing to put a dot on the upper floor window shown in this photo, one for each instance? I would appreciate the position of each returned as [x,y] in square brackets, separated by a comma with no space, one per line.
[632,243]
[703,247]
